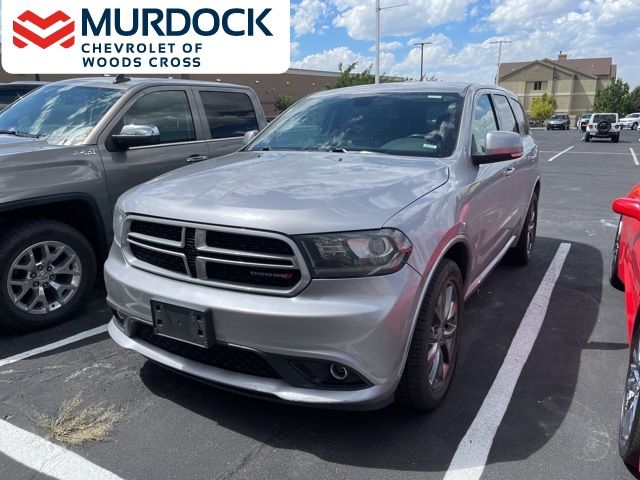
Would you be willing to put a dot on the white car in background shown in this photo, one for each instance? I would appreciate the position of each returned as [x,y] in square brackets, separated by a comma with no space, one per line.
[631,121]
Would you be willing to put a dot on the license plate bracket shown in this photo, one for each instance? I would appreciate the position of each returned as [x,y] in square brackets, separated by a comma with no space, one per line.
[183,322]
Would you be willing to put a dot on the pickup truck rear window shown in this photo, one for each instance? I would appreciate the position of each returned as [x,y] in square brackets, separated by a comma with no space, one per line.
[229,114]
[419,124]
[60,114]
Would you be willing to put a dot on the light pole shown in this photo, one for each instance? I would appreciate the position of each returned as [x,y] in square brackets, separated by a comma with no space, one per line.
[378,10]
[499,43]
[422,44]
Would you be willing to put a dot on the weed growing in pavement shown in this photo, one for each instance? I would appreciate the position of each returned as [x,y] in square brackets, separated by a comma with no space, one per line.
[76,424]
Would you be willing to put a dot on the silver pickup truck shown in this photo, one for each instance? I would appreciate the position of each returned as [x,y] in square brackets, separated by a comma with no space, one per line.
[69,150]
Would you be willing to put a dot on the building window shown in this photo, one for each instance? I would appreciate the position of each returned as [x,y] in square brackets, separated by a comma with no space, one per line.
[537,85]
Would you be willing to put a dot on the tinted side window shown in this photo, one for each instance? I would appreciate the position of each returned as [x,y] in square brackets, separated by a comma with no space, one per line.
[229,114]
[520,116]
[7,97]
[507,120]
[167,110]
[484,121]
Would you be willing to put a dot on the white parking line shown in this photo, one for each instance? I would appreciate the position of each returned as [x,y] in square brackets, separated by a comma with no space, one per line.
[585,153]
[52,346]
[470,457]
[47,458]
[561,153]
[635,158]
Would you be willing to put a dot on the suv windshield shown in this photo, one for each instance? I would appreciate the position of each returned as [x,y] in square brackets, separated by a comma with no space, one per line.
[414,124]
[558,117]
[61,114]
[608,117]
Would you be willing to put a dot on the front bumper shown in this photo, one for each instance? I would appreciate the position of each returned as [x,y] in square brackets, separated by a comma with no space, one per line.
[364,324]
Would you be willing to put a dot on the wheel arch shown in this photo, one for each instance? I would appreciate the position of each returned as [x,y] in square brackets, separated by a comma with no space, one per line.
[78,210]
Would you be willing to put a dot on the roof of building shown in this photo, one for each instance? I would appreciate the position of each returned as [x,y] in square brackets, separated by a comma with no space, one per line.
[595,67]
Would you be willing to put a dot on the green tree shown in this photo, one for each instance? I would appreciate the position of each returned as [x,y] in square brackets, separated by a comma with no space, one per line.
[542,108]
[284,101]
[634,101]
[615,98]
[348,77]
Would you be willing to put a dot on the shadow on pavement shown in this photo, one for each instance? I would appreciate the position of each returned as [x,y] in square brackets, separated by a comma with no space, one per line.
[397,439]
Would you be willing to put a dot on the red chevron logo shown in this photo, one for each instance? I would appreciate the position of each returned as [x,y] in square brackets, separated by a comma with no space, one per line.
[43,23]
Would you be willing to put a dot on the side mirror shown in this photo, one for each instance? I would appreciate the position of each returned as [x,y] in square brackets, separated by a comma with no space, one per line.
[136,136]
[249,136]
[627,207]
[500,147]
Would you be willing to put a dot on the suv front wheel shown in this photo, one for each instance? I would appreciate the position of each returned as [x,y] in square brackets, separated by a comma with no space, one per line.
[433,354]
[47,271]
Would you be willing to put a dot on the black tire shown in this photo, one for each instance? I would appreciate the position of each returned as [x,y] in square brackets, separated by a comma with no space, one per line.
[523,250]
[416,390]
[20,237]
[615,139]
[587,138]
[614,279]
[634,126]
[629,426]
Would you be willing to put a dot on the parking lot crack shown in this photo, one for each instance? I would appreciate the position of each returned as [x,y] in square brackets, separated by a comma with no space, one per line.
[281,433]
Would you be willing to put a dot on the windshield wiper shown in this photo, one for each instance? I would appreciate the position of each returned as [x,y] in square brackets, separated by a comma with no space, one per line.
[18,133]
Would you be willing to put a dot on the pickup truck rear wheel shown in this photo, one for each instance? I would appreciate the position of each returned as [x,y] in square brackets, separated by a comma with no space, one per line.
[47,271]
[433,354]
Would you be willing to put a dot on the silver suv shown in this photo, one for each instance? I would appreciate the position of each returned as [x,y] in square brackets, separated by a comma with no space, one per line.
[328,262]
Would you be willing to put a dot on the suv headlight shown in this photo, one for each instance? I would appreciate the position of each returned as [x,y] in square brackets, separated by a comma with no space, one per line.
[118,224]
[356,254]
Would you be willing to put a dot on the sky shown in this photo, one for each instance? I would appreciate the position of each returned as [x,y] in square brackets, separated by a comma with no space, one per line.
[327,33]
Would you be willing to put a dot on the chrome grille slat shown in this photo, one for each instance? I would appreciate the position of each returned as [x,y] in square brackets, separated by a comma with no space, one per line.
[157,240]
[245,264]
[245,268]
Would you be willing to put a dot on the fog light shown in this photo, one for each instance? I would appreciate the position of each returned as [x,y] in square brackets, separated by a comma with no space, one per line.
[338,372]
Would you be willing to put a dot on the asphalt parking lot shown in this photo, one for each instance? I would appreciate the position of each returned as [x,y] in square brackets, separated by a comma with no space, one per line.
[560,422]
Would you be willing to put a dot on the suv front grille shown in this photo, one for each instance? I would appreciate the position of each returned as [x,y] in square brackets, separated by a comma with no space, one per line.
[238,259]
[222,356]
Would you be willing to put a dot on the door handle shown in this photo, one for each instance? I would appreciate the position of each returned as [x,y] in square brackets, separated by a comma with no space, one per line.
[509,171]
[197,158]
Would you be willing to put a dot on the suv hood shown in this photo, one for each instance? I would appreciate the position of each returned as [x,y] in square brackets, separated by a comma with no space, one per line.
[290,192]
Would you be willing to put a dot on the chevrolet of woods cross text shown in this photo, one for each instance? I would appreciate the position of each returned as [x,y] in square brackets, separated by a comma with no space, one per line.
[328,261]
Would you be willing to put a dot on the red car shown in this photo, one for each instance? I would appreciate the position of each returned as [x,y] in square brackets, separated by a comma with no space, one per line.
[625,276]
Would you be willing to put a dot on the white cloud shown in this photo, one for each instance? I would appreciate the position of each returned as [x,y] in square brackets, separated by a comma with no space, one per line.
[306,15]
[295,49]
[330,59]
[387,46]
[358,16]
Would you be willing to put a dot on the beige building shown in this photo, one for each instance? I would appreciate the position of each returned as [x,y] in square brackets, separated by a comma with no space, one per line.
[573,82]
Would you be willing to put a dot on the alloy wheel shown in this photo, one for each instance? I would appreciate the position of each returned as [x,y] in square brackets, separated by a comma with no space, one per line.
[44,277]
[442,335]
[531,228]
[631,395]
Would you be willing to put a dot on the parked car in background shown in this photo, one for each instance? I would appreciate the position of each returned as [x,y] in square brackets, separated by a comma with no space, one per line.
[603,125]
[559,122]
[583,122]
[625,276]
[332,256]
[10,92]
[69,150]
[631,121]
